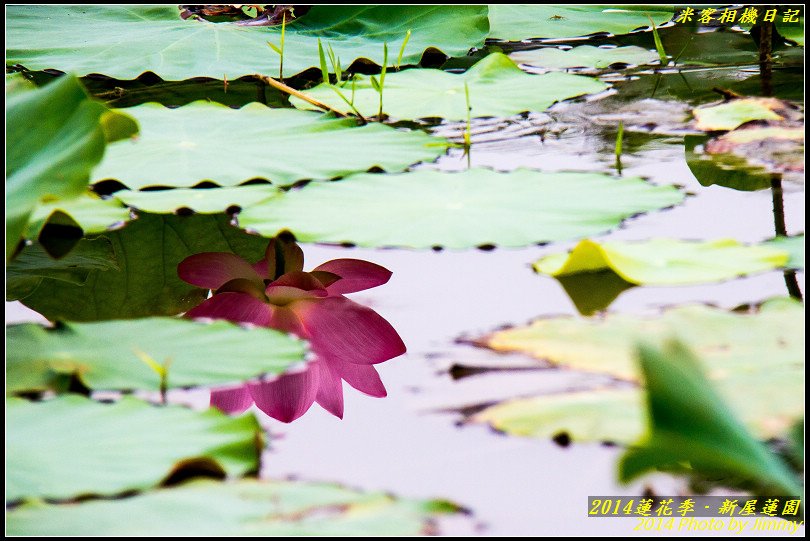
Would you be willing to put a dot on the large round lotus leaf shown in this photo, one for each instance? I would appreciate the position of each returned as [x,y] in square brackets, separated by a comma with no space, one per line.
[205,201]
[584,56]
[118,354]
[514,22]
[427,208]
[728,341]
[148,251]
[51,158]
[665,261]
[207,141]
[125,41]
[757,361]
[497,87]
[96,215]
[244,508]
[72,446]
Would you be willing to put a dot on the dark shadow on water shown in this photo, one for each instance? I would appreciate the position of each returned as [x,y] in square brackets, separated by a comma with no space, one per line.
[593,292]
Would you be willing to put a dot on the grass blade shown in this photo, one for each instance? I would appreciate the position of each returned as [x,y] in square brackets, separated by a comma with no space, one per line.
[659,46]
[468,129]
[350,103]
[335,61]
[382,79]
[322,58]
[402,49]
[283,32]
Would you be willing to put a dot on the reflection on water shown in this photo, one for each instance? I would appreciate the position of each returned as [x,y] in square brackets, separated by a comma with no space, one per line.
[593,292]
[346,338]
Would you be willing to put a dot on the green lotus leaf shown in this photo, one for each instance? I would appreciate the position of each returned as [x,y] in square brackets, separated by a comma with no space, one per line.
[726,169]
[457,210]
[794,246]
[25,272]
[148,251]
[513,22]
[584,56]
[126,41]
[206,201]
[96,215]
[89,211]
[72,446]
[211,142]
[788,25]
[792,31]
[601,415]
[771,336]
[110,355]
[51,158]
[252,508]
[665,261]
[732,114]
[497,87]
[690,423]
[756,361]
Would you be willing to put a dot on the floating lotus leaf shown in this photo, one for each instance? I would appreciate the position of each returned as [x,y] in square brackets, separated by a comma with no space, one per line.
[792,31]
[773,150]
[794,246]
[148,251]
[610,415]
[252,508]
[496,85]
[207,141]
[206,201]
[25,272]
[110,354]
[584,56]
[771,336]
[72,446]
[424,208]
[90,212]
[728,116]
[125,41]
[727,170]
[51,158]
[751,136]
[513,22]
[665,261]
[756,360]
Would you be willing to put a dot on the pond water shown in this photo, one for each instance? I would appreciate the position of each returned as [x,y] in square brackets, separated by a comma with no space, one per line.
[412,443]
[409,443]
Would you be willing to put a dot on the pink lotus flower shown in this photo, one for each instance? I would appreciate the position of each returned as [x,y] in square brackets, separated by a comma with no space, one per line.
[346,338]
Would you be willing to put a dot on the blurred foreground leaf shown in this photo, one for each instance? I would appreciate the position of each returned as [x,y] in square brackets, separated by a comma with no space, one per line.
[56,134]
[692,430]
